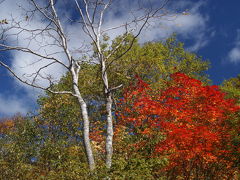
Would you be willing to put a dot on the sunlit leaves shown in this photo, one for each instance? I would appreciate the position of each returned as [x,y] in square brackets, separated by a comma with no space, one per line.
[192,118]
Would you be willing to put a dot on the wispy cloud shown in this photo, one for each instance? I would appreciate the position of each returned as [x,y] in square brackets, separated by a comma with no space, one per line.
[234,53]
[12,104]
[24,34]
[192,26]
[186,20]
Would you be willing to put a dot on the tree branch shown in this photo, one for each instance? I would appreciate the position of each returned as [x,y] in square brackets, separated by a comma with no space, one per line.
[34,85]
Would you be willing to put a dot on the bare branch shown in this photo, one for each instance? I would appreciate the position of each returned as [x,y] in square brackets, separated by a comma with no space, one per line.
[143,19]
[27,50]
[100,25]
[130,46]
[39,70]
[44,13]
[94,11]
[92,15]
[31,84]
[115,88]
[62,35]
[85,24]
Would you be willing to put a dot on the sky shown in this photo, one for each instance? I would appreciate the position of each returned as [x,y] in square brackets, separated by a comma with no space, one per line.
[209,28]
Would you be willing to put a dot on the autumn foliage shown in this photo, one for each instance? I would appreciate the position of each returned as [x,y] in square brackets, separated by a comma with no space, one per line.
[192,120]
[179,130]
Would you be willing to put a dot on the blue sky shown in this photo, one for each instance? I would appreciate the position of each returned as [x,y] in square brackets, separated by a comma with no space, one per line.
[223,48]
[211,29]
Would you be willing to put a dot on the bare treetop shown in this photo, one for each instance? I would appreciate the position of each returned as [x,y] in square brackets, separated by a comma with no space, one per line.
[48,47]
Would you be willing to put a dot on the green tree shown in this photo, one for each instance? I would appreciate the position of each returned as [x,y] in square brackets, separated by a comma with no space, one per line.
[30,149]
[57,49]
[232,88]
[153,62]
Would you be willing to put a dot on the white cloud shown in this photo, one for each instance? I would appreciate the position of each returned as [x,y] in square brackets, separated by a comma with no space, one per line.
[192,26]
[234,53]
[11,105]
[188,22]
[26,64]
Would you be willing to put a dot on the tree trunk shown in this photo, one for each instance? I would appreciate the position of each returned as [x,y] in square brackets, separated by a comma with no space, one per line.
[86,139]
[109,140]
[108,96]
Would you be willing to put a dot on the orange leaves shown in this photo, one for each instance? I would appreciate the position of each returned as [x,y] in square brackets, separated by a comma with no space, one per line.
[191,117]
[146,131]
[6,125]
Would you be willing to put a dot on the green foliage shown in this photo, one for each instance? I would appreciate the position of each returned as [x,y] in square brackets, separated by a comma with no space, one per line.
[30,150]
[232,88]
[133,168]
[154,62]
[49,146]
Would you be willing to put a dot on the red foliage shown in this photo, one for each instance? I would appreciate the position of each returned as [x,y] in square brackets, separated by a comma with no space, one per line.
[192,118]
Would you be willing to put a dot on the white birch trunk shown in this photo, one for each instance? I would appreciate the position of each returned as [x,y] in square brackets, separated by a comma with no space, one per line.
[109,139]
[108,98]
[86,139]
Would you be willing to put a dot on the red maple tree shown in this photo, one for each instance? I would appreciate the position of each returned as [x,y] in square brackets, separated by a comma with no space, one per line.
[192,120]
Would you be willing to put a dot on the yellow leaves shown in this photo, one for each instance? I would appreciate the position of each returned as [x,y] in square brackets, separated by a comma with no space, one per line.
[74,150]
[97,147]
[4,21]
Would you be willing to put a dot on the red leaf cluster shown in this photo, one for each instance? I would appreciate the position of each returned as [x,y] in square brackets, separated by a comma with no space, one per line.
[192,118]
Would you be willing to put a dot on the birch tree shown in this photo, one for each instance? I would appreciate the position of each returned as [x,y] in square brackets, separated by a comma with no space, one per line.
[53,30]
[90,18]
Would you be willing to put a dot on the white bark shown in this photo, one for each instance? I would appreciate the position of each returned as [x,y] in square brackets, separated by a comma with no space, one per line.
[84,111]
[91,19]
[56,32]
[92,23]
[74,70]
[108,99]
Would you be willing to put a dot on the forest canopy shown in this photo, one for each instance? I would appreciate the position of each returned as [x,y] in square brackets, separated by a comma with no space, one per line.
[169,122]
